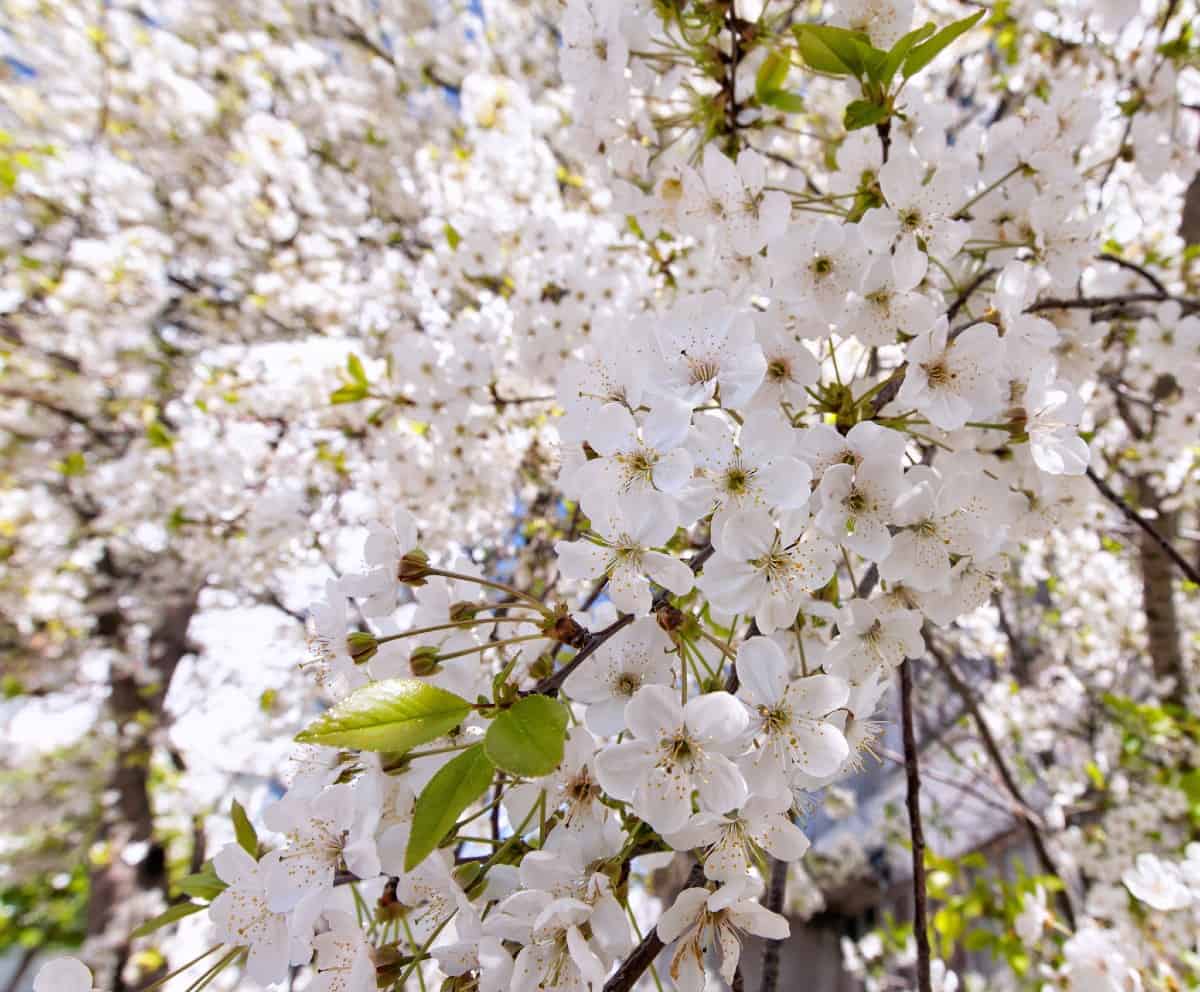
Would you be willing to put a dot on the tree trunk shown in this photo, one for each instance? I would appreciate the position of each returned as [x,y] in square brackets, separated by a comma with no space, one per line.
[124,878]
[1158,595]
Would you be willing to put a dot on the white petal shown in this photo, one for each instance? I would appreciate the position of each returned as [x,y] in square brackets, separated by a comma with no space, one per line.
[654,713]
[762,671]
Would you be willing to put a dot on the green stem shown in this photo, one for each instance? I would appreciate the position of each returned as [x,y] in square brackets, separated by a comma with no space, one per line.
[489,645]
[456,625]
[958,214]
[541,608]
[182,968]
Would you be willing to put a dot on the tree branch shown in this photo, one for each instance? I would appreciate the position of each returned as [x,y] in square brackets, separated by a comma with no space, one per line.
[771,948]
[642,956]
[1006,776]
[1189,570]
[913,776]
[550,685]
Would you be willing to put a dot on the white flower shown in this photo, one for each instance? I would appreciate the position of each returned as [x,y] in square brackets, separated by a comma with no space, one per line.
[818,265]
[753,468]
[636,655]
[1094,963]
[760,570]
[1157,883]
[629,526]
[791,365]
[573,785]
[1034,917]
[242,916]
[917,209]
[343,962]
[677,750]
[952,382]
[884,308]
[557,954]
[939,518]
[476,949]
[788,718]
[698,915]
[857,503]
[822,446]
[63,975]
[337,825]
[1052,411]
[385,546]
[732,198]
[631,461]
[705,343]
[873,637]
[731,841]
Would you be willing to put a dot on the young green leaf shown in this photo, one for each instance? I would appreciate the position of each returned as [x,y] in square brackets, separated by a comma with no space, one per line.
[820,55]
[527,739]
[392,715]
[771,75]
[457,784]
[791,103]
[177,912]
[351,392]
[863,113]
[900,50]
[243,830]
[927,51]
[354,366]
[204,884]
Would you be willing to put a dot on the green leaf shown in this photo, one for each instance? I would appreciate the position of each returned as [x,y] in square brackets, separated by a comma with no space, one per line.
[790,103]
[452,236]
[354,366]
[828,50]
[527,739]
[457,784]
[927,51]
[169,916]
[352,392]
[73,465]
[863,113]
[392,715]
[243,829]
[158,435]
[771,75]
[205,884]
[900,50]
[977,940]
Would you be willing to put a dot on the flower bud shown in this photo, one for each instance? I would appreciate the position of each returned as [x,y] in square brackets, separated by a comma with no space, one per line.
[424,662]
[362,646]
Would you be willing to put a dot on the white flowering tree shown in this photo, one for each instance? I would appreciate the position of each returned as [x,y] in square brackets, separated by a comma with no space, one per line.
[668,398]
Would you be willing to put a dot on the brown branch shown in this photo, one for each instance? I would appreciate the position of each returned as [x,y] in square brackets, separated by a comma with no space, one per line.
[1146,274]
[1189,570]
[773,902]
[968,292]
[1006,776]
[913,799]
[1119,300]
[550,685]
[642,956]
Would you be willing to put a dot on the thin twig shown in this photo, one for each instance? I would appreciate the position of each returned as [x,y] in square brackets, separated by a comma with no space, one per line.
[1006,776]
[1189,570]
[550,685]
[968,291]
[1146,274]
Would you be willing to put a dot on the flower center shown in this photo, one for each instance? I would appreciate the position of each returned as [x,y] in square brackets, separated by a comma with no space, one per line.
[779,370]
[938,373]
